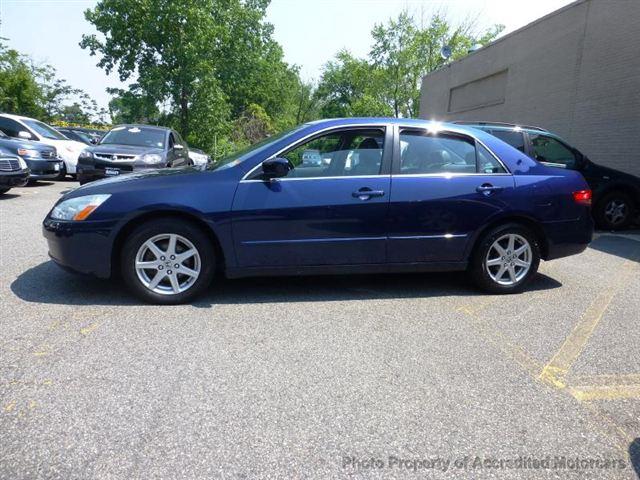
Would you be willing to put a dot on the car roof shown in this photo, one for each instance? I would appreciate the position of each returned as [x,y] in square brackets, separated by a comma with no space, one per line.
[410,122]
[141,125]
[16,117]
[504,126]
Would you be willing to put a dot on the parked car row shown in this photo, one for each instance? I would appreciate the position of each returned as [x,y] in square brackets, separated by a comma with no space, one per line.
[89,154]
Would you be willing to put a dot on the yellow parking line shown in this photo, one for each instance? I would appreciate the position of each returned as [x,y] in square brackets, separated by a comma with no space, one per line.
[606,380]
[600,392]
[498,339]
[554,372]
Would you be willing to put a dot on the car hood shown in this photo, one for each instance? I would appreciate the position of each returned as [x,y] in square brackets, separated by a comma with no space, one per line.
[106,184]
[613,173]
[19,143]
[124,149]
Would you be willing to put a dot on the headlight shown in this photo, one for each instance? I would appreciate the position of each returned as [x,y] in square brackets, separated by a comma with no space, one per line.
[85,154]
[78,208]
[26,152]
[151,158]
[22,163]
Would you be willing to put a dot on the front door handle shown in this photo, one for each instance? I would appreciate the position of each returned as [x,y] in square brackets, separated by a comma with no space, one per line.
[366,193]
[488,189]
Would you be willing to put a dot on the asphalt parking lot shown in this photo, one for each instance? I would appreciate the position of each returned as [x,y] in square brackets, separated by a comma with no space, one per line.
[403,376]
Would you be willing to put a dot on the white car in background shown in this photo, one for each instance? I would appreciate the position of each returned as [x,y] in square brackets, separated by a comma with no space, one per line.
[198,157]
[31,129]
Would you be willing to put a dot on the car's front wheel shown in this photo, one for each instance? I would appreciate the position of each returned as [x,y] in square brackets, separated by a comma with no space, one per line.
[167,261]
[506,258]
[614,211]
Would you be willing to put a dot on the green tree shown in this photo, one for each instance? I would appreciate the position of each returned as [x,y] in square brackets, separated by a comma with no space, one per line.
[37,91]
[20,90]
[351,87]
[132,106]
[388,81]
[406,51]
[208,59]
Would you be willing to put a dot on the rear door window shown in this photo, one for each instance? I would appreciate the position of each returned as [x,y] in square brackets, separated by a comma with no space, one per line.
[552,151]
[426,153]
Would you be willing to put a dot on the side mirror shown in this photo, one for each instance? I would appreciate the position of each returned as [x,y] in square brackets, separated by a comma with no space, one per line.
[94,141]
[24,134]
[177,146]
[276,167]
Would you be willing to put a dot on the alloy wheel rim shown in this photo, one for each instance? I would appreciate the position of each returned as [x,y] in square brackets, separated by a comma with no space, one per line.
[615,211]
[509,259]
[168,264]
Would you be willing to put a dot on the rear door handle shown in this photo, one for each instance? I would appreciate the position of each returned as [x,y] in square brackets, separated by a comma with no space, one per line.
[366,193]
[488,189]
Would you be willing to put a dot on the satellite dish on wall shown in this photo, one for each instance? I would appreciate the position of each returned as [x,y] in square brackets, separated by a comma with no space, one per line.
[445,52]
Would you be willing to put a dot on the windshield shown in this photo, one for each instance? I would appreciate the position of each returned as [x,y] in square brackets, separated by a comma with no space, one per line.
[240,156]
[135,136]
[44,130]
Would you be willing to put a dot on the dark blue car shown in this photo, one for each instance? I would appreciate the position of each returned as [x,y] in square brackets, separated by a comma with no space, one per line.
[389,195]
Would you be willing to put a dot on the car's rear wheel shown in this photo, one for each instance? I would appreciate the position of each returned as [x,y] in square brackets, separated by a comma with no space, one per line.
[167,261]
[614,211]
[506,258]
[4,190]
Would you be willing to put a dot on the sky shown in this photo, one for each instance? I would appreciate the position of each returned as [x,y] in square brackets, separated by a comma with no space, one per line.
[311,32]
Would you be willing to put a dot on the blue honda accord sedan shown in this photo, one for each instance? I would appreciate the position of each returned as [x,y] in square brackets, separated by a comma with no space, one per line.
[384,195]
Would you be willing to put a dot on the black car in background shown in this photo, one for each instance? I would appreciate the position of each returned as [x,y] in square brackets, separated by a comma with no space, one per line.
[616,194]
[89,136]
[13,171]
[77,135]
[42,160]
[129,148]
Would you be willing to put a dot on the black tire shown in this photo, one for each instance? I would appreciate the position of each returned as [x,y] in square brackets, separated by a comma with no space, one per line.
[83,179]
[4,190]
[480,271]
[606,218]
[149,230]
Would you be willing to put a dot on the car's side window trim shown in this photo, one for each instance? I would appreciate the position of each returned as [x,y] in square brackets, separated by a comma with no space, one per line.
[396,157]
[387,152]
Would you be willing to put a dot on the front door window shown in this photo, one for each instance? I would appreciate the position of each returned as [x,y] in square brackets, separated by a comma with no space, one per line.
[338,154]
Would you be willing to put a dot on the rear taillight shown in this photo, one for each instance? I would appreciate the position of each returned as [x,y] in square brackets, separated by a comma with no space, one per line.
[583,197]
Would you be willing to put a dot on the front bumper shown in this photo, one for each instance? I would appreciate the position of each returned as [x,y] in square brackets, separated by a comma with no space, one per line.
[43,168]
[14,179]
[82,247]
[96,168]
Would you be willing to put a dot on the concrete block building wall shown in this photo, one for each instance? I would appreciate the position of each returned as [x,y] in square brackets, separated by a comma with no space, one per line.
[575,72]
